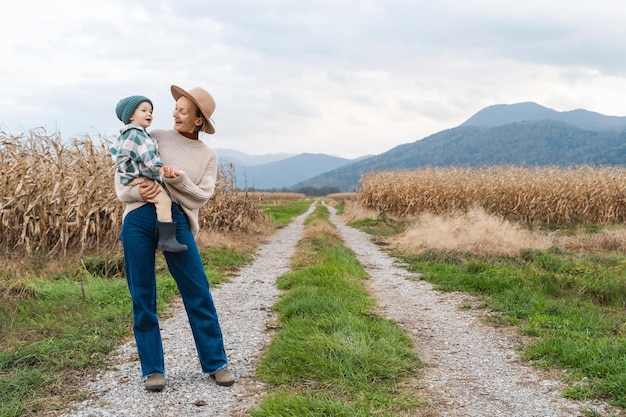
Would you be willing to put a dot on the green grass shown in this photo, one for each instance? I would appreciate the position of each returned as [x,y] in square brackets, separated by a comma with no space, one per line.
[62,327]
[333,356]
[220,263]
[571,307]
[340,207]
[281,213]
[56,331]
[383,226]
[320,212]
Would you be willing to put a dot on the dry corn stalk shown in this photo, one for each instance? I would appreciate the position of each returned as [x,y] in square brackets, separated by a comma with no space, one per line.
[57,197]
[548,195]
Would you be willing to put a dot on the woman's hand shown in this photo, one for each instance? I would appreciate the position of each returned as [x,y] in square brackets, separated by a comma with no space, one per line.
[149,190]
[169,172]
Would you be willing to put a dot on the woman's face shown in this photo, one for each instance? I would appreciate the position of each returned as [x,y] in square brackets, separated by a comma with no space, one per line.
[185,119]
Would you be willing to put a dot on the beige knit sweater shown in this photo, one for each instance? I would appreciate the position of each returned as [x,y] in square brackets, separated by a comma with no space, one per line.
[197,164]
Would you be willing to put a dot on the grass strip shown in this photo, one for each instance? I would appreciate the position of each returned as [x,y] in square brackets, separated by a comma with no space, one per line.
[282,212]
[333,355]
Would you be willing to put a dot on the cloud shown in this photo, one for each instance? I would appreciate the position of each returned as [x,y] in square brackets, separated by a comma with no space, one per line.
[347,77]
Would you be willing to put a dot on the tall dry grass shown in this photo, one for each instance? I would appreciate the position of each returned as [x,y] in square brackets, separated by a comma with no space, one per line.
[475,231]
[230,211]
[58,198]
[489,235]
[546,195]
[343,197]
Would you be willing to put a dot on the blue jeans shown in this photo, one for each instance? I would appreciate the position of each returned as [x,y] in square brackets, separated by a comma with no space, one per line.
[139,238]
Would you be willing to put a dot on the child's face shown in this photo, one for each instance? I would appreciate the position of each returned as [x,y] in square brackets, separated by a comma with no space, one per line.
[142,115]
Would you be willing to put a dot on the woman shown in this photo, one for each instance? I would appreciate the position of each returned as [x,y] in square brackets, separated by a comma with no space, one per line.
[189,177]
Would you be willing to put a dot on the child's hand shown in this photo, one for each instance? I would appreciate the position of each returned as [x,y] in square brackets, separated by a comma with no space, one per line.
[169,172]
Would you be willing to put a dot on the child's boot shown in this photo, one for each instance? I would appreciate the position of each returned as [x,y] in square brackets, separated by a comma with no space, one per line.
[167,238]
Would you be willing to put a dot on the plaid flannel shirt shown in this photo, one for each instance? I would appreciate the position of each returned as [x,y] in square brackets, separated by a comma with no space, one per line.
[135,154]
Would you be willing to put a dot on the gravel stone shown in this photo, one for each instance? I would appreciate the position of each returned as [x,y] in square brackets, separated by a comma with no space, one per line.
[472,369]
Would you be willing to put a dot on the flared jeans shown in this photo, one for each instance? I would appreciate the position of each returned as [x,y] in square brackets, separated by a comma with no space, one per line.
[139,238]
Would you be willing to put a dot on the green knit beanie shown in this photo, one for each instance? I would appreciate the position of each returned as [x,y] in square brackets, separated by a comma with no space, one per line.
[127,106]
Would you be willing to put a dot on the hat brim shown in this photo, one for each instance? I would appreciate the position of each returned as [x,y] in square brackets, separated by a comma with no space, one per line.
[178,92]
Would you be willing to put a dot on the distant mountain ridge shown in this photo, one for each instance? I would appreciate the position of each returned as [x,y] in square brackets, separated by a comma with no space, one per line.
[524,134]
[243,159]
[501,114]
[282,172]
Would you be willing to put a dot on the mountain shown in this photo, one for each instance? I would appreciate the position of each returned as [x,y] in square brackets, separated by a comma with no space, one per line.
[286,172]
[240,158]
[523,134]
[501,114]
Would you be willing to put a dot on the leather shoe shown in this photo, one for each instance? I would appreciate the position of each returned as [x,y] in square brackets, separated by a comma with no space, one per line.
[224,377]
[154,382]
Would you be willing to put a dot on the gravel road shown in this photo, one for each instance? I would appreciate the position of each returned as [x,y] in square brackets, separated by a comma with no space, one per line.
[471,369]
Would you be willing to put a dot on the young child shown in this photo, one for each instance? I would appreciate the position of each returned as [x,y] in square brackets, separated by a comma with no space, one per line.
[136,156]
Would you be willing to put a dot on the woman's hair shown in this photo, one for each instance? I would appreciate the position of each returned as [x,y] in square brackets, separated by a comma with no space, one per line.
[199,114]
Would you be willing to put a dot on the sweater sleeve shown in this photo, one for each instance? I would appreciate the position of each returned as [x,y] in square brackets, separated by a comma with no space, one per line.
[193,196]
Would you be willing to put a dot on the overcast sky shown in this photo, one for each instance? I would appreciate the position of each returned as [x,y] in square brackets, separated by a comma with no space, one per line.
[346,78]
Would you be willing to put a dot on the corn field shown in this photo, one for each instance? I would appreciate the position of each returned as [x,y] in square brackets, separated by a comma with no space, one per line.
[545,195]
[57,197]
[273,195]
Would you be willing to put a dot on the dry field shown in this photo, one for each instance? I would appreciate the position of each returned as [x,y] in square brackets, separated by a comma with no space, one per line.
[271,196]
[58,199]
[343,197]
[501,210]
[527,195]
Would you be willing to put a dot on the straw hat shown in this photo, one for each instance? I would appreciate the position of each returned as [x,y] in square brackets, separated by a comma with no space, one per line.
[202,99]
